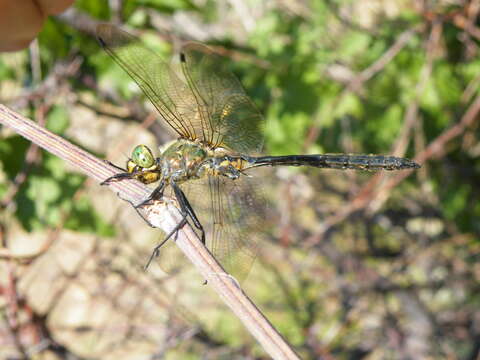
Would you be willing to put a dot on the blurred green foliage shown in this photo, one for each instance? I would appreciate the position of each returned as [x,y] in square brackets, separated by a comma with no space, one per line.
[47,199]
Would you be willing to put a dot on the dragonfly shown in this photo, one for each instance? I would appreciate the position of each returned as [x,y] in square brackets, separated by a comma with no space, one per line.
[208,169]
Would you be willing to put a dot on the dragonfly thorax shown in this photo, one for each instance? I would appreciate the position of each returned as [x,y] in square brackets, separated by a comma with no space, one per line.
[188,160]
[181,161]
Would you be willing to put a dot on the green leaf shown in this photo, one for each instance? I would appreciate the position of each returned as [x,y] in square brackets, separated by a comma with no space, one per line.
[349,104]
[58,119]
[353,44]
[46,199]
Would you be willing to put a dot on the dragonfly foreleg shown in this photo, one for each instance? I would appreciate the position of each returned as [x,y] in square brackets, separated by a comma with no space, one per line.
[117,177]
[144,176]
[115,166]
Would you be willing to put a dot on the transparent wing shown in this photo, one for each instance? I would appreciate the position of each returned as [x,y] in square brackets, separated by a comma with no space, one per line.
[170,95]
[208,104]
[230,116]
[232,215]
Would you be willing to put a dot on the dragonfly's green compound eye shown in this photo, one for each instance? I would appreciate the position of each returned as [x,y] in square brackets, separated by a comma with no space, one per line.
[142,156]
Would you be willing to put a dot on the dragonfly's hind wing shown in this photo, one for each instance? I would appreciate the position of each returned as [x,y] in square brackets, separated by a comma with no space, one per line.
[232,213]
[237,209]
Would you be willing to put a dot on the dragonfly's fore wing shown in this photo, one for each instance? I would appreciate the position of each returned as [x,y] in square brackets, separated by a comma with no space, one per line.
[225,111]
[170,95]
[232,213]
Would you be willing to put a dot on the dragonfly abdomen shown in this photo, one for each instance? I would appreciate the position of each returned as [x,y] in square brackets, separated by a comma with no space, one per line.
[338,161]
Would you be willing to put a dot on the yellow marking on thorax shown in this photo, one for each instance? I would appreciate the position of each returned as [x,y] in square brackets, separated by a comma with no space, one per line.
[239,164]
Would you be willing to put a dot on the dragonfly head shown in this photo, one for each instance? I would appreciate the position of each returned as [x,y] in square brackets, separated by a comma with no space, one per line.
[143,165]
[142,159]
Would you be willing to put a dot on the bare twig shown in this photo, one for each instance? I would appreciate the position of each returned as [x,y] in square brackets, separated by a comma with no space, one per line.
[412,110]
[357,81]
[165,215]
[12,311]
[438,147]
[50,86]
[467,25]
[383,60]
[411,118]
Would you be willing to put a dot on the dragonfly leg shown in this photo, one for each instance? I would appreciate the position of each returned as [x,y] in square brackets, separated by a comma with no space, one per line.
[187,209]
[155,195]
[144,176]
[136,207]
[118,177]
[115,166]
[141,215]
[187,212]
[156,250]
